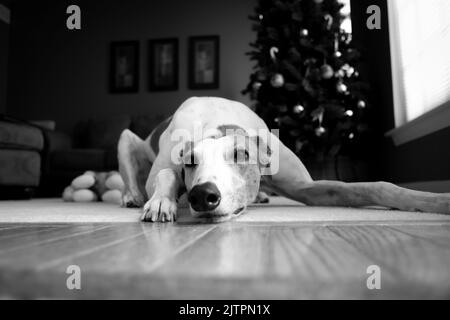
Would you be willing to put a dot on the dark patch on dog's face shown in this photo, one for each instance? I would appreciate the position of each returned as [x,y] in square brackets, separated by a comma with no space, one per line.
[231,129]
[264,151]
[245,163]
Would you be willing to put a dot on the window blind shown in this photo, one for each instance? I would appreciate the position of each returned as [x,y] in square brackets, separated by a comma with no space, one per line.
[420,37]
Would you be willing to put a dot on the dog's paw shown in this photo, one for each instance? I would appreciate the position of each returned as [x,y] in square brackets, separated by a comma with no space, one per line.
[132,201]
[160,209]
[261,197]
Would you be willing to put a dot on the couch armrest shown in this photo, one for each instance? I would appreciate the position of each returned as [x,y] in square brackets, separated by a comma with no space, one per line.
[56,140]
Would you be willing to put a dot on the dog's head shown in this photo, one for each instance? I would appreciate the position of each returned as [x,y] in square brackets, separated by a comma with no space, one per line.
[222,174]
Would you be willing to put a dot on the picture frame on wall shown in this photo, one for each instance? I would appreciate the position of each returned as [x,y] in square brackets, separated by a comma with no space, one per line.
[124,67]
[204,62]
[163,64]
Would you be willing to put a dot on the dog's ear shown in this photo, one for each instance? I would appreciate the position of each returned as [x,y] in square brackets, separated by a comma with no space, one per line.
[264,152]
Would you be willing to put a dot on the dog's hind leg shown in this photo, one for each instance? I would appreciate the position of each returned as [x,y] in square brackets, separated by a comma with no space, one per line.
[134,167]
[336,193]
[263,193]
[261,197]
[293,181]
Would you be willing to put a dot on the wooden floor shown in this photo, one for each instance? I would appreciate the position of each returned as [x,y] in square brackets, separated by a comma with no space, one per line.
[244,259]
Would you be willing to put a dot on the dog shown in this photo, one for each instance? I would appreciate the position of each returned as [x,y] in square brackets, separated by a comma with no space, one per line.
[219,152]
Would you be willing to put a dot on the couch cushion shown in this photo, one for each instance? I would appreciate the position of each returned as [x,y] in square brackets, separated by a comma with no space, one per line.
[105,133]
[78,159]
[19,168]
[20,136]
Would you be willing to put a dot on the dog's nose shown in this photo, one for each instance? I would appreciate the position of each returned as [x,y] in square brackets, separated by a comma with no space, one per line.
[204,197]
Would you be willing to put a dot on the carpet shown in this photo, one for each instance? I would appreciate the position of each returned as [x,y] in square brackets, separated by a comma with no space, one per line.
[278,210]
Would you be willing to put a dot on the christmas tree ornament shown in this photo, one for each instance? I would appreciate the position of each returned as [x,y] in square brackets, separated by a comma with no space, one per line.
[326,71]
[337,54]
[304,32]
[317,114]
[320,131]
[277,120]
[351,136]
[283,108]
[341,87]
[298,109]
[329,20]
[310,61]
[261,76]
[260,17]
[339,74]
[356,74]
[277,80]
[256,85]
[307,86]
[361,104]
[349,38]
[349,113]
[298,146]
[350,71]
[273,51]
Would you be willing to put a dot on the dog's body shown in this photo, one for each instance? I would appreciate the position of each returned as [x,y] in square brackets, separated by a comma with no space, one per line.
[187,161]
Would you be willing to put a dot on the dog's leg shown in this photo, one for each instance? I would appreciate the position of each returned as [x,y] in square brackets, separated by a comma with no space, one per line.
[134,167]
[261,197]
[335,193]
[293,181]
[263,193]
[162,205]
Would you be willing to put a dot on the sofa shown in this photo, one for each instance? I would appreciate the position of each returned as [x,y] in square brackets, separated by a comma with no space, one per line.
[21,148]
[91,146]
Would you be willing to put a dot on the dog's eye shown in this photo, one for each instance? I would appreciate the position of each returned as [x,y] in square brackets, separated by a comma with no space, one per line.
[241,156]
[190,161]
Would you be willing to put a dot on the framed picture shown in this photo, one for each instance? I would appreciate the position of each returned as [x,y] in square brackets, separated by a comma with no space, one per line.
[163,64]
[204,62]
[124,69]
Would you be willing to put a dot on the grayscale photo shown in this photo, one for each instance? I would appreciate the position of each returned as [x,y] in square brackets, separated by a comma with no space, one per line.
[218,158]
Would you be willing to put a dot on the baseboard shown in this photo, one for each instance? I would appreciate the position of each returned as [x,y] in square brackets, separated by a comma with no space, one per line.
[440,186]
[16,192]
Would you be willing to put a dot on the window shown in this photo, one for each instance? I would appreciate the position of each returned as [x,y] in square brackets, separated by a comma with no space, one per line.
[420,50]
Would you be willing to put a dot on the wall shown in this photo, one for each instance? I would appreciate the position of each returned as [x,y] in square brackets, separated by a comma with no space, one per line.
[424,159]
[4,51]
[63,75]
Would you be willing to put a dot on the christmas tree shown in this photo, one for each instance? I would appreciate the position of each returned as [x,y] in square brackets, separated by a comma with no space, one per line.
[306,80]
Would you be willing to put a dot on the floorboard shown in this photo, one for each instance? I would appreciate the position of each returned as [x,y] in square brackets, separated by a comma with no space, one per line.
[42,235]
[283,256]
[147,251]
[410,258]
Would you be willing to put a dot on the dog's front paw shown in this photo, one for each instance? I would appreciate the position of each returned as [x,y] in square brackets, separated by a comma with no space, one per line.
[132,200]
[162,209]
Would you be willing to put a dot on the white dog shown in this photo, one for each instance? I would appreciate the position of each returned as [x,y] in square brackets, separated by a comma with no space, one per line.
[218,151]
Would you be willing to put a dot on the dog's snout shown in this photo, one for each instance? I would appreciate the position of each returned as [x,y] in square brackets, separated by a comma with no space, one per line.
[204,197]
